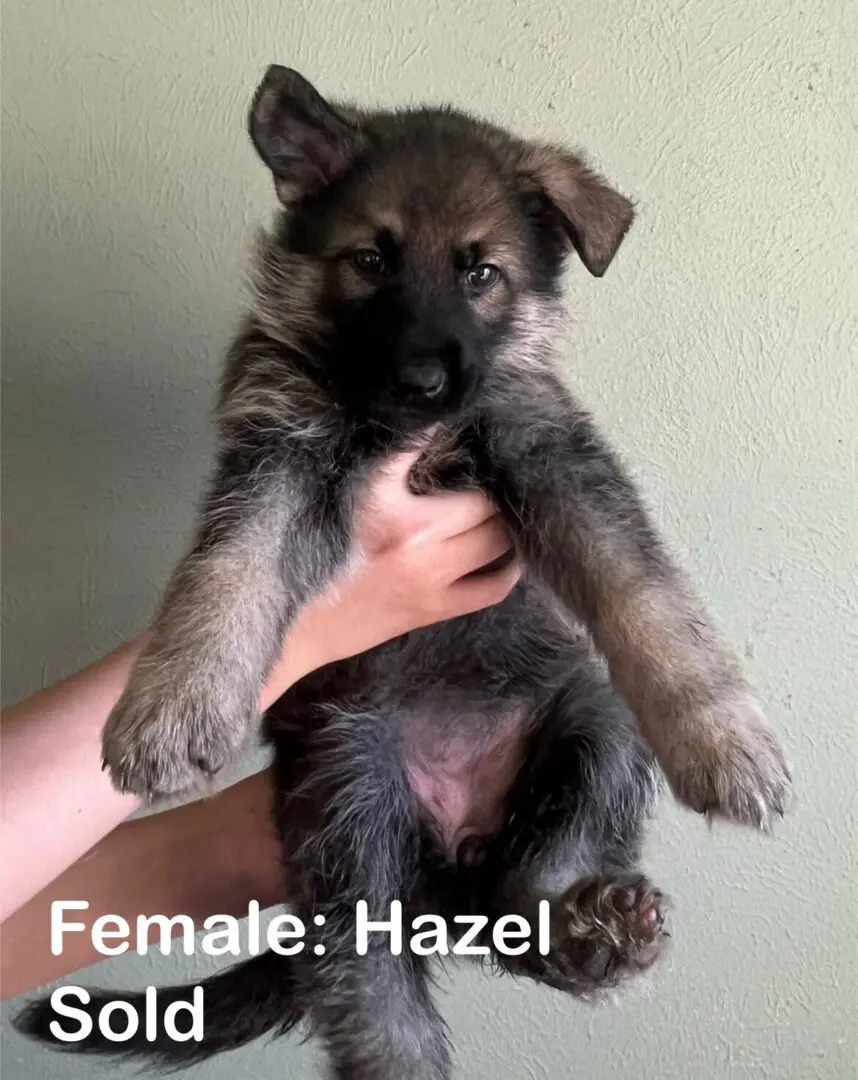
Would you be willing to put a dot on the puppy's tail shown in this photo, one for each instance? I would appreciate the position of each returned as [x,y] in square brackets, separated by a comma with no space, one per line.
[238,1006]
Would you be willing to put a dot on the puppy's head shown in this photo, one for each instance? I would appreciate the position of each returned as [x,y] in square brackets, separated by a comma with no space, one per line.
[428,245]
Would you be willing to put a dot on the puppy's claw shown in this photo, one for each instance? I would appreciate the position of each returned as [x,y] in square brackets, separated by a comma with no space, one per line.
[173,747]
[730,766]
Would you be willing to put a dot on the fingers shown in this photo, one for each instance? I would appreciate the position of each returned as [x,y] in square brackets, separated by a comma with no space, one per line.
[462,529]
[450,514]
[389,509]
[469,553]
[475,548]
[392,512]
[475,593]
[390,481]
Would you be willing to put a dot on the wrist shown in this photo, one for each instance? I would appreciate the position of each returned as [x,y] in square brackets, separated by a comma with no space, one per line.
[305,650]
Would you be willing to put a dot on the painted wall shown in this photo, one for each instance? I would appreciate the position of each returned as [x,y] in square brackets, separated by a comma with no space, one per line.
[720,350]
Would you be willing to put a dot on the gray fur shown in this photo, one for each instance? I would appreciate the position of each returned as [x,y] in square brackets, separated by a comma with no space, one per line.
[298,435]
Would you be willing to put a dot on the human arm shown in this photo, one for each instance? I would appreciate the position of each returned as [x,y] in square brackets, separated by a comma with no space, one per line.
[211,856]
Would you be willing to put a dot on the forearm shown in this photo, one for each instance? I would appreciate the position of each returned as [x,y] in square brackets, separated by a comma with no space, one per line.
[56,800]
[204,858]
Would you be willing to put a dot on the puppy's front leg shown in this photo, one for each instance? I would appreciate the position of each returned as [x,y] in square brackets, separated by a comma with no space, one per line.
[583,529]
[265,545]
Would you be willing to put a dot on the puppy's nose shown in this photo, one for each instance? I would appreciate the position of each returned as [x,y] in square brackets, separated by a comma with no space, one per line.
[427,376]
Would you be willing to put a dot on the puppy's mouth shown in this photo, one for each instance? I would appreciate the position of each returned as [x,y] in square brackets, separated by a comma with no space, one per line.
[429,397]
[449,395]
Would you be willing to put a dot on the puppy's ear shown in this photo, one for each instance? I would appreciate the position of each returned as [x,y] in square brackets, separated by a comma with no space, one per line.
[300,137]
[594,217]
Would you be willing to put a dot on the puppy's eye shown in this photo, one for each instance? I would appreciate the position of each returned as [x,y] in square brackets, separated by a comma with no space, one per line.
[369,261]
[482,277]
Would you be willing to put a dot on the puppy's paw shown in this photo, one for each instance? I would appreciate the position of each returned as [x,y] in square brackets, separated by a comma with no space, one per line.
[730,764]
[621,918]
[604,931]
[169,740]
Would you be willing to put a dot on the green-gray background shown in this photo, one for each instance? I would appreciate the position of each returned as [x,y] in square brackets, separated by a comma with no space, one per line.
[720,351]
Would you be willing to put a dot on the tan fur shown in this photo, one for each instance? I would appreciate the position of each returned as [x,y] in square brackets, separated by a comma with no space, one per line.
[461,198]
[599,216]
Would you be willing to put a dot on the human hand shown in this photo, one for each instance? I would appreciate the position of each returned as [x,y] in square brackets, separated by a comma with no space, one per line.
[419,563]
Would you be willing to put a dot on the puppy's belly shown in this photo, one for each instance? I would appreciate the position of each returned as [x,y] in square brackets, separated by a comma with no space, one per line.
[461,782]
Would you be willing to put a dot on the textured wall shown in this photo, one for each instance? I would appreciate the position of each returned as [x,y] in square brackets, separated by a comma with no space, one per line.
[720,350]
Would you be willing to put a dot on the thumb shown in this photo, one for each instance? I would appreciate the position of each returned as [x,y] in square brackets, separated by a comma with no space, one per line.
[390,481]
[388,503]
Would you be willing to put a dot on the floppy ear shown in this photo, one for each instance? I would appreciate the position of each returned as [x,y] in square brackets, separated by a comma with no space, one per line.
[594,217]
[300,137]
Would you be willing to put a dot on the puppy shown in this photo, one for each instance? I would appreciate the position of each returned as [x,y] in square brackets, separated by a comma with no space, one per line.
[413,280]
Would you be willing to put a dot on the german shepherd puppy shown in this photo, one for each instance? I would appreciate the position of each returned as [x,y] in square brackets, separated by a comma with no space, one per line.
[413,280]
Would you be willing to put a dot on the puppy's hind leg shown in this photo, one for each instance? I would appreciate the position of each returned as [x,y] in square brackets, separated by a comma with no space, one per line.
[575,818]
[351,830]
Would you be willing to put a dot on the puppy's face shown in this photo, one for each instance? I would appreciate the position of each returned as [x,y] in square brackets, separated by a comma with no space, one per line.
[425,240]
